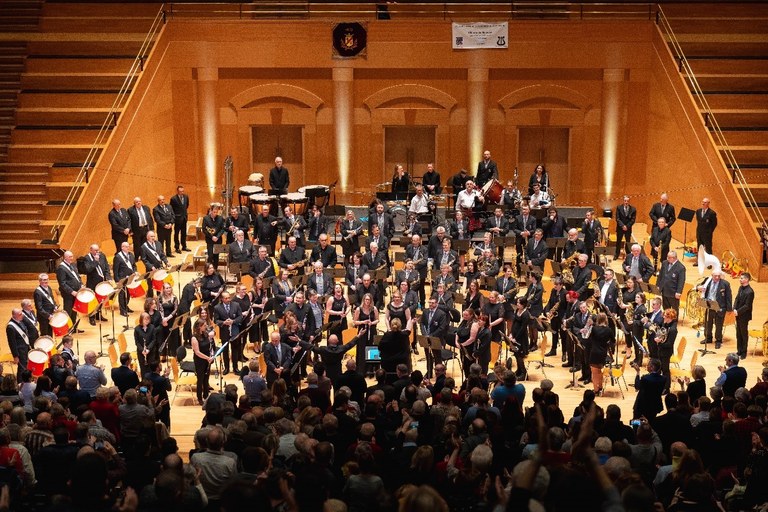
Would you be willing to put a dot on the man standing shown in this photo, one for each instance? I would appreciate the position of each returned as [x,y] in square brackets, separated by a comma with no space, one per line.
[292,257]
[279,179]
[277,356]
[120,222]
[90,376]
[431,180]
[486,170]
[742,308]
[164,218]
[591,228]
[227,315]
[213,229]
[524,228]
[153,257]
[69,283]
[161,385]
[324,252]
[433,324]
[719,291]
[45,305]
[706,222]
[123,265]
[265,229]
[663,209]
[671,281]
[661,237]
[241,250]
[294,225]
[732,376]
[626,215]
[180,206]
[141,221]
[236,221]
[18,340]
[96,271]
[638,265]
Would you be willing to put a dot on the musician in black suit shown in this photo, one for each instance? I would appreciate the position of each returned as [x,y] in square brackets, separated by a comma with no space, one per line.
[213,230]
[638,265]
[718,290]
[434,322]
[431,180]
[742,308]
[447,256]
[69,283]
[525,225]
[320,280]
[278,357]
[497,223]
[189,293]
[582,277]
[294,225]
[120,222]
[282,291]
[29,318]
[572,245]
[706,222]
[383,219]
[534,295]
[381,241]
[96,271]
[592,231]
[123,265]
[19,340]
[165,219]
[487,170]
[324,252]
[123,376]
[649,389]
[661,237]
[554,225]
[153,257]
[374,260]
[671,281]
[292,257]
[241,249]
[459,227]
[445,278]
[663,209]
[228,316]
[262,265]
[279,178]
[626,214]
[141,222]
[351,228]
[180,206]
[536,252]
[145,337]
[412,225]
[45,304]
[316,225]
[417,253]
[265,229]
[556,300]
[507,288]
[609,291]
[234,223]
[654,317]
[354,272]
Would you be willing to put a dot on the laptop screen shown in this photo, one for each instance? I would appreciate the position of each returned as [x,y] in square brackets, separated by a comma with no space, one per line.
[372,354]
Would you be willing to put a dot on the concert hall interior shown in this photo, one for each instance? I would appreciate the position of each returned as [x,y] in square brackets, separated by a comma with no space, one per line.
[307,124]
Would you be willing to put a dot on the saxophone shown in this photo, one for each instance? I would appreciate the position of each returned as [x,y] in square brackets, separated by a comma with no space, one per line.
[629,312]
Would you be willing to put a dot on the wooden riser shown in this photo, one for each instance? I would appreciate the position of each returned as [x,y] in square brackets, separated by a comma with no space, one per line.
[719,10]
[35,136]
[39,64]
[746,138]
[722,48]
[750,157]
[86,10]
[59,116]
[27,177]
[75,25]
[47,154]
[735,66]
[749,24]
[72,100]
[127,48]
[60,190]
[735,83]
[737,101]
[55,81]
[741,119]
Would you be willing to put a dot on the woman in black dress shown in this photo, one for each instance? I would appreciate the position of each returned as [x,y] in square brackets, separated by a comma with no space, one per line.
[519,336]
[203,348]
[471,273]
[155,317]
[393,347]
[337,307]
[365,319]
[474,299]
[666,344]
[466,335]
[258,295]
[397,309]
[539,176]
[144,335]
[603,338]
[638,329]
[169,304]
[494,310]
[697,388]
[401,182]
[483,344]
[212,285]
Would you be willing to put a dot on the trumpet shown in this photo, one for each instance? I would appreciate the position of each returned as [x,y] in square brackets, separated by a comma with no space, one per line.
[553,312]
[293,226]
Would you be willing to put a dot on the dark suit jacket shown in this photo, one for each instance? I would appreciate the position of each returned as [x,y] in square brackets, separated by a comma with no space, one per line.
[134,215]
[705,225]
[120,221]
[16,342]
[438,325]
[668,213]
[611,297]
[326,256]
[660,237]
[671,281]
[349,276]
[180,205]
[44,306]
[238,256]
[279,179]
[150,259]
[648,400]
[121,268]
[145,339]
[535,295]
[625,219]
[521,225]
[68,283]
[453,228]
[273,362]
[92,277]
[258,266]
[555,228]
[722,295]
[573,247]
[538,255]
[327,283]
[315,227]
[387,225]
[644,266]
[581,279]
[220,315]
[507,292]
[490,222]
[163,216]
[745,296]
[214,228]
[486,172]
[124,378]
[372,263]
[263,229]
[591,233]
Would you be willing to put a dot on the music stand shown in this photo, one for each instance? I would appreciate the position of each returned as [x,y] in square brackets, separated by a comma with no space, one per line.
[97,313]
[686,215]
[175,325]
[574,384]
[429,342]
[239,268]
[216,355]
[711,307]
[654,290]
[119,288]
[461,246]
[600,251]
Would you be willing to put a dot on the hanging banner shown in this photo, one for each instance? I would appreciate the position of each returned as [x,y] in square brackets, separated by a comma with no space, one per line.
[349,40]
[480,35]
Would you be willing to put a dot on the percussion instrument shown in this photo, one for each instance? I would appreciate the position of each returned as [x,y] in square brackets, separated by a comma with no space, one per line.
[85,301]
[46,344]
[257,179]
[492,191]
[296,200]
[103,290]
[258,200]
[37,362]
[246,191]
[316,194]
[137,288]
[399,216]
[159,278]
[61,323]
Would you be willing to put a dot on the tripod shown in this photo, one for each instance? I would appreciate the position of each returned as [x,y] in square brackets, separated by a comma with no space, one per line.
[574,384]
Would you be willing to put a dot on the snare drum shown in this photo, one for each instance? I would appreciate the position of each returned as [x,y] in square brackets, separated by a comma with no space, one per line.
[37,362]
[316,195]
[137,288]
[85,301]
[61,323]
[103,290]
[492,191]
[259,200]
[159,278]
[246,191]
[46,344]
[296,200]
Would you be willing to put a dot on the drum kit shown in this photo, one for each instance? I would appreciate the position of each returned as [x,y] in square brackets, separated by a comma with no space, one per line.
[254,197]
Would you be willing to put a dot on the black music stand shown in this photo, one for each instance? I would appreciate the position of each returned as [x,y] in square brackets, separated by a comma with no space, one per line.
[711,307]
[686,215]
[97,313]
[461,246]
[600,251]
[176,325]
[239,268]
[119,288]
[216,355]
[221,249]
[574,384]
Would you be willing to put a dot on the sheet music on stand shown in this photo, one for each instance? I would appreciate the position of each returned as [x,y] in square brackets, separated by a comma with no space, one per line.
[711,307]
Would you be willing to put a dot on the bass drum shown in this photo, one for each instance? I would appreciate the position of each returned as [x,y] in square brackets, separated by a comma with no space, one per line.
[399,216]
